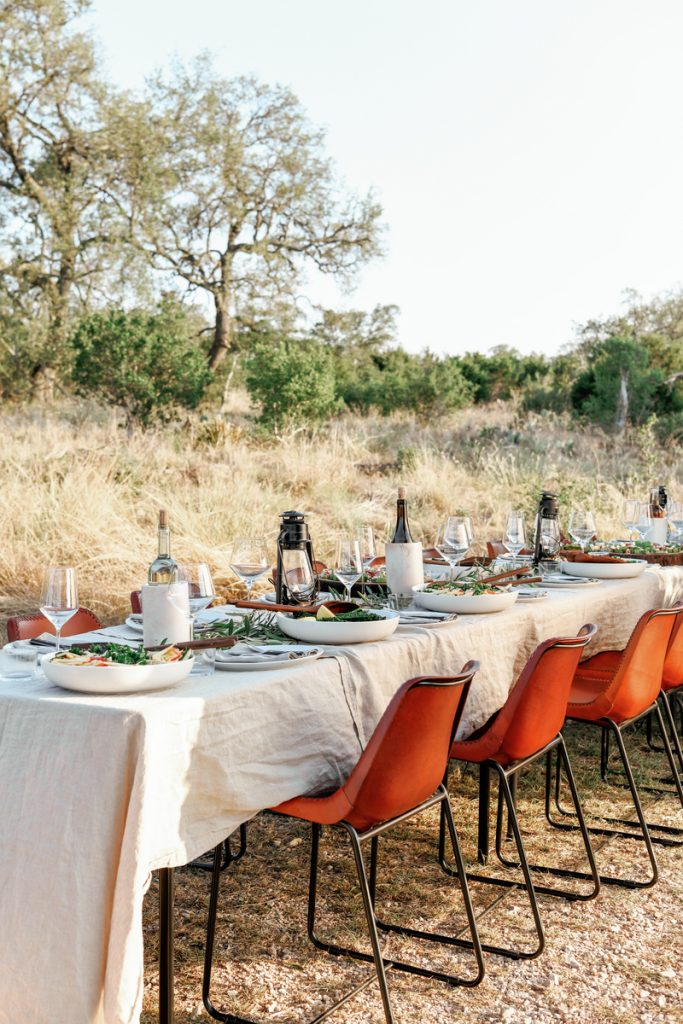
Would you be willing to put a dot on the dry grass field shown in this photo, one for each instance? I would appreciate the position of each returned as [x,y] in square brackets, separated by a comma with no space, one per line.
[77,489]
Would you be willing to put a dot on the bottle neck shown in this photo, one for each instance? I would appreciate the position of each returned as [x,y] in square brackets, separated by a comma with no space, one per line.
[402,533]
[164,542]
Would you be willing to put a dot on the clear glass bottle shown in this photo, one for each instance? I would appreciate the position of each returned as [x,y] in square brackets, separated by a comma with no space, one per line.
[163,569]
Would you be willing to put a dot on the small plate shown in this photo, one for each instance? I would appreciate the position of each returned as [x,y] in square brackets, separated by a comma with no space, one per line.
[561,581]
[227,662]
[134,622]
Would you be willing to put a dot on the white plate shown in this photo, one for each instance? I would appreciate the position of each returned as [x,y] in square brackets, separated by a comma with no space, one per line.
[560,583]
[315,631]
[134,622]
[606,570]
[465,604]
[115,678]
[268,662]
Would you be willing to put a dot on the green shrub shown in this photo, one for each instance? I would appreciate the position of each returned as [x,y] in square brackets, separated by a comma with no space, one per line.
[146,363]
[292,381]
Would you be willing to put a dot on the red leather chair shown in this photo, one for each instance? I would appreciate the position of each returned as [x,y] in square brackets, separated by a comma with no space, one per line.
[613,691]
[671,693]
[526,728]
[25,627]
[135,602]
[398,775]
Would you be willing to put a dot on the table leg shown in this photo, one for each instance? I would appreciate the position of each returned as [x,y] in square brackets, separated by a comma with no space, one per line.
[166,987]
[484,805]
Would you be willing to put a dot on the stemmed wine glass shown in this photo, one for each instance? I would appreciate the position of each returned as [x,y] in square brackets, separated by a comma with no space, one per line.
[551,542]
[201,591]
[59,598]
[674,515]
[453,539]
[368,551]
[249,560]
[515,532]
[348,566]
[298,575]
[636,517]
[581,527]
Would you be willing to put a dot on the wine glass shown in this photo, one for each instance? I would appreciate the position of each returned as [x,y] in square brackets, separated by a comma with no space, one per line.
[368,550]
[348,566]
[581,527]
[674,515]
[636,517]
[201,591]
[515,532]
[298,575]
[453,539]
[59,598]
[249,560]
[551,542]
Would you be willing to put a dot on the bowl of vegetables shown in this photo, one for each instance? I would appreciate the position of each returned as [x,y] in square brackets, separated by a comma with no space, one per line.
[464,596]
[116,668]
[359,626]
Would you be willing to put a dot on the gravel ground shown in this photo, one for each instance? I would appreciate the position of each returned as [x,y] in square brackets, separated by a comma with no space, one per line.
[614,959]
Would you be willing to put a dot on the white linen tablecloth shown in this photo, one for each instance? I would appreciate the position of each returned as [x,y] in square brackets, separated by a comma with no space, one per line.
[96,792]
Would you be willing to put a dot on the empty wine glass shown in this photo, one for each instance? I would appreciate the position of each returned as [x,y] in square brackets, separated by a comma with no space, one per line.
[298,573]
[636,517]
[674,515]
[249,560]
[366,540]
[551,542]
[515,532]
[453,539]
[201,591]
[581,527]
[348,566]
[59,598]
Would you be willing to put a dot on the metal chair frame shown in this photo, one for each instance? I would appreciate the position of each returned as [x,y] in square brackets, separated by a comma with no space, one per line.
[644,834]
[506,797]
[368,891]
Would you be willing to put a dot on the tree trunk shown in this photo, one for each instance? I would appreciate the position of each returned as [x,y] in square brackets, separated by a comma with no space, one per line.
[223,333]
[622,404]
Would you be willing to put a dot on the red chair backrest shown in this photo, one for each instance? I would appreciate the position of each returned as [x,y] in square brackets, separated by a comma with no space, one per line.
[672,676]
[25,627]
[406,757]
[536,707]
[638,679]
[136,601]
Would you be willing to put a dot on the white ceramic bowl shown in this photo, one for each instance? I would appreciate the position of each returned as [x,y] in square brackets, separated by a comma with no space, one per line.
[606,570]
[465,604]
[315,631]
[115,678]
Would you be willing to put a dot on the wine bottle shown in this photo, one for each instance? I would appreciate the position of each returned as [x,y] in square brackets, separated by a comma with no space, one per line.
[163,569]
[402,533]
[403,556]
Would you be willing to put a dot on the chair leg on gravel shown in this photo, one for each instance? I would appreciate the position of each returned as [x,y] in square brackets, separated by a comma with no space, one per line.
[228,856]
[367,892]
[643,835]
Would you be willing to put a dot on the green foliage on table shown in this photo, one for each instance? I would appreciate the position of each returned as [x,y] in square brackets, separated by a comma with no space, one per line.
[147,363]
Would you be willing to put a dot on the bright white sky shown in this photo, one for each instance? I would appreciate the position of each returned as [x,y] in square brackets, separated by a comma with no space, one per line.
[528,154]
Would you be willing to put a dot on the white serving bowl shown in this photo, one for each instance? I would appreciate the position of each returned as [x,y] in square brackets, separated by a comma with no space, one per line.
[465,604]
[115,678]
[606,570]
[314,631]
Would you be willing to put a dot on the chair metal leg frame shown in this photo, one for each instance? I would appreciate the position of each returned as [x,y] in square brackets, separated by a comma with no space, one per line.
[381,965]
[562,757]
[625,883]
[668,831]
[448,940]
[373,835]
[507,883]
[228,856]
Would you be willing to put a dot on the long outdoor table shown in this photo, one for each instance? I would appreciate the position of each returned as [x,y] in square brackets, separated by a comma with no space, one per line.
[97,792]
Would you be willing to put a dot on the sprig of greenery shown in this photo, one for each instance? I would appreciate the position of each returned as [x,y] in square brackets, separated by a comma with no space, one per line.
[259,628]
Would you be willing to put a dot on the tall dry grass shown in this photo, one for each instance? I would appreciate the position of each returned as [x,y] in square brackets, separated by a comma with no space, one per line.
[77,490]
